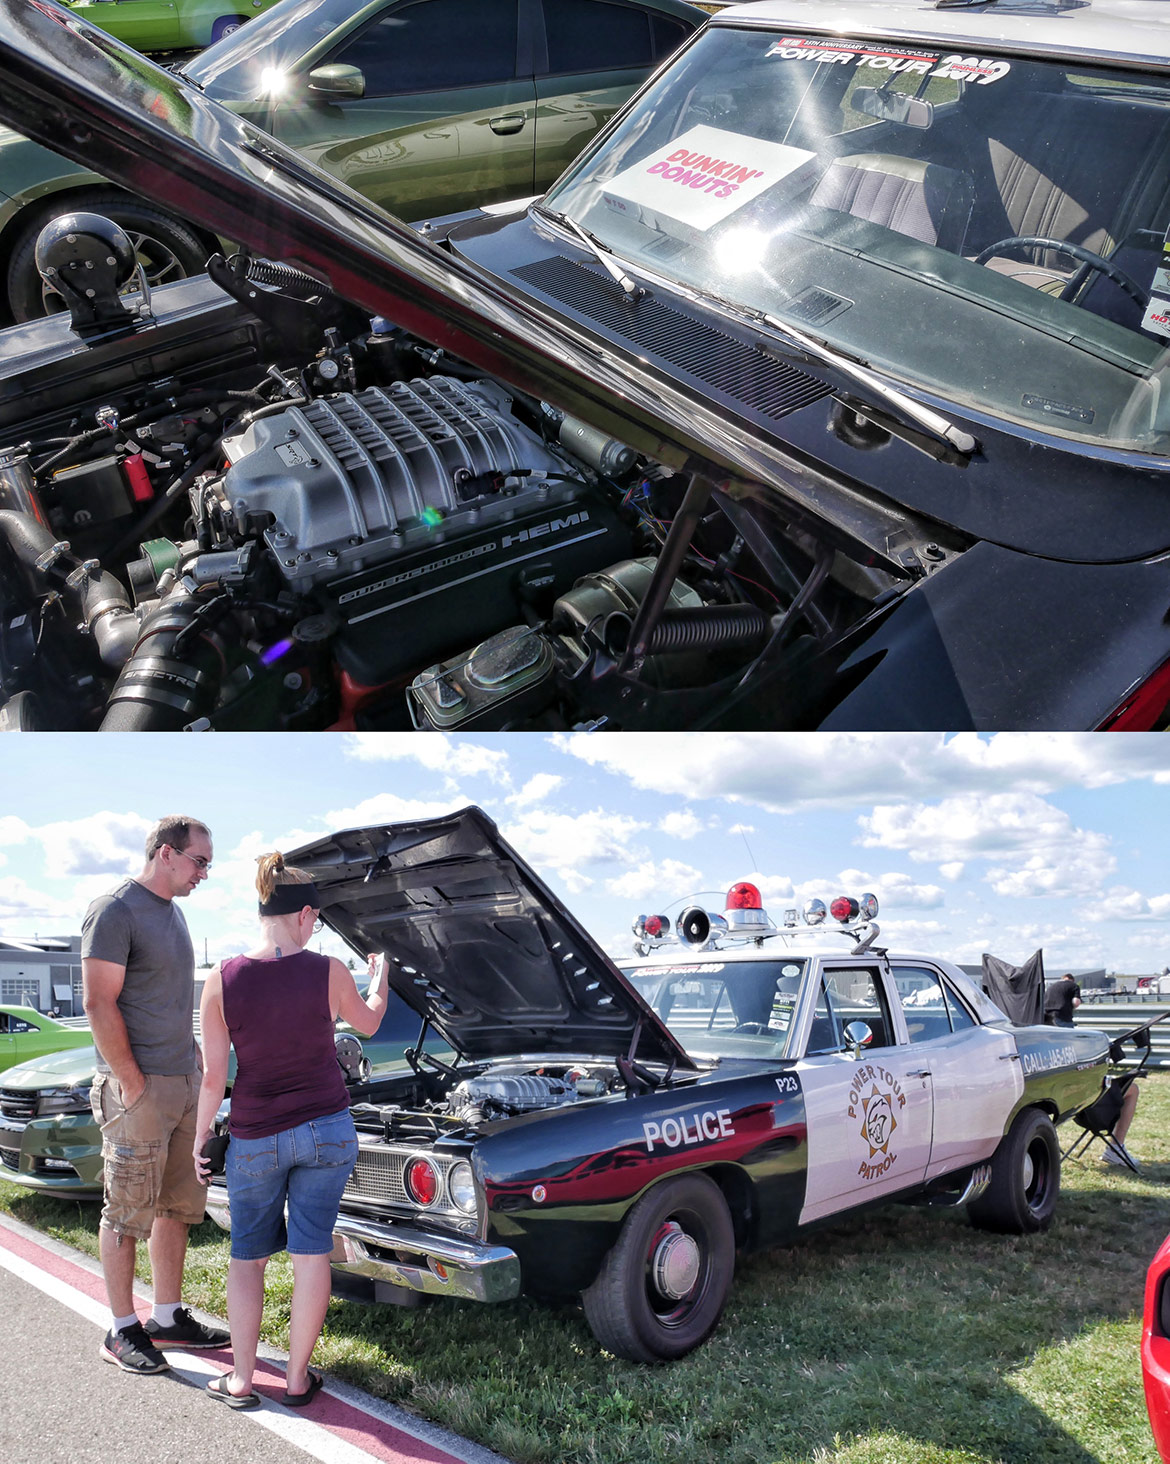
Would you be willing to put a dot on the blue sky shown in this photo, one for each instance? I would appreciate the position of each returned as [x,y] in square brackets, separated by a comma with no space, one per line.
[1000,844]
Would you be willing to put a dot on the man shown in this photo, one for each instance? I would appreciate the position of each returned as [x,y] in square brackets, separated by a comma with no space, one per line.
[138,970]
[1060,1001]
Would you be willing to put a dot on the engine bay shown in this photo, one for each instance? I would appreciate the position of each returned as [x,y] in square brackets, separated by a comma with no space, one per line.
[252,507]
[431,1108]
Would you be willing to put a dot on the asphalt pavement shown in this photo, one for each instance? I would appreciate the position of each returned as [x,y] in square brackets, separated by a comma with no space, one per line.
[60,1403]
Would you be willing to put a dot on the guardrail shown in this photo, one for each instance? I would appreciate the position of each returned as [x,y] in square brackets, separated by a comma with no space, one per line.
[1118,1017]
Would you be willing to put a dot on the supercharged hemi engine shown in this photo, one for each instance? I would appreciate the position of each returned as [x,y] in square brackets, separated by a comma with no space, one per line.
[246,505]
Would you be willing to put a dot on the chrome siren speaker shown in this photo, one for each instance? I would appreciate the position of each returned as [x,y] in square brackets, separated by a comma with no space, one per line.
[695,927]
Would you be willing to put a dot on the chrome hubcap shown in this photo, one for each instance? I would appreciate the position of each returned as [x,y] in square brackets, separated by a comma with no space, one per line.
[675,1262]
[1029,1173]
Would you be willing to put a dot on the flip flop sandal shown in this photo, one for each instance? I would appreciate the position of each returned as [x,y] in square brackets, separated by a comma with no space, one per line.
[218,1389]
[298,1400]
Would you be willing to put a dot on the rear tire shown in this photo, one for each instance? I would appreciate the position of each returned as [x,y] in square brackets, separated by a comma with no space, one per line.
[662,1288]
[168,248]
[1025,1179]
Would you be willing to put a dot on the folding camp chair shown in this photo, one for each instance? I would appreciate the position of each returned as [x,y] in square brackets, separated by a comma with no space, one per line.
[1099,1119]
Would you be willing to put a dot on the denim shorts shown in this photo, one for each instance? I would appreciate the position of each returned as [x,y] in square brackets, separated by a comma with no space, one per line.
[305,1168]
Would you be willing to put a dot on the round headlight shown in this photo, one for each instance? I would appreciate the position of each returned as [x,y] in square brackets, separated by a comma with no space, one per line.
[462,1186]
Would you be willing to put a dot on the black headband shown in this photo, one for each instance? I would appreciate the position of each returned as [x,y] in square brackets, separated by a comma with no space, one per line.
[291,899]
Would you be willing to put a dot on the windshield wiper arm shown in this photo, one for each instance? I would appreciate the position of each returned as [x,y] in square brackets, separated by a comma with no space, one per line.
[629,288]
[956,444]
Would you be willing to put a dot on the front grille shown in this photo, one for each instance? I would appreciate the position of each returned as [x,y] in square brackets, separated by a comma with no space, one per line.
[772,388]
[378,1176]
[10,1158]
[14,1103]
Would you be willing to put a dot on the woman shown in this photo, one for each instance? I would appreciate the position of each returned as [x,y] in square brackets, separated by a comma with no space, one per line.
[292,1138]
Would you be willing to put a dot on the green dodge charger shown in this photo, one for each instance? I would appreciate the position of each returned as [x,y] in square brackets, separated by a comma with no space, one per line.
[168,25]
[378,95]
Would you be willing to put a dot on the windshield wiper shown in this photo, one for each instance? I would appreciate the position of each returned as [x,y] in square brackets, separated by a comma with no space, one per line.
[928,431]
[629,288]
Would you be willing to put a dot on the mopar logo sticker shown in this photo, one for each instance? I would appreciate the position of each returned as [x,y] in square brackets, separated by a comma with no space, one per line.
[693,1128]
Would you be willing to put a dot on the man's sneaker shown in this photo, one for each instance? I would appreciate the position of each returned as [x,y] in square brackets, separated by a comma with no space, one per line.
[132,1350]
[185,1331]
[1111,1156]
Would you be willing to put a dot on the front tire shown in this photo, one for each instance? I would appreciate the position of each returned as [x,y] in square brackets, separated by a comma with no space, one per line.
[1025,1179]
[168,248]
[226,25]
[662,1288]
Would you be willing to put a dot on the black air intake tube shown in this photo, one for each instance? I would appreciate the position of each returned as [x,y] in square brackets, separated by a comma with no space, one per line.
[173,675]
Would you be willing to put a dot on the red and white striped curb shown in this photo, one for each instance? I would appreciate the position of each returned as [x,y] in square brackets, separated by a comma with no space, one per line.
[345,1428]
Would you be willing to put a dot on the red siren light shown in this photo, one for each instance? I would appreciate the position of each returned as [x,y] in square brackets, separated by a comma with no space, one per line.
[655,925]
[844,909]
[743,896]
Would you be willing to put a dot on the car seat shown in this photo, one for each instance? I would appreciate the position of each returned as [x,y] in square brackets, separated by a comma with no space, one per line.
[925,201]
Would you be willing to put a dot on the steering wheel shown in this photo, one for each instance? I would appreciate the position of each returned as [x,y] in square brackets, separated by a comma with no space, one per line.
[1075,251]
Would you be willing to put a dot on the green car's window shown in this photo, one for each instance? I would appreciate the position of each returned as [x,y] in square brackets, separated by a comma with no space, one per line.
[249,63]
[409,47]
[590,35]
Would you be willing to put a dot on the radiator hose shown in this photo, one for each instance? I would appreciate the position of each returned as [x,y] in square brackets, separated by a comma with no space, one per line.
[174,672]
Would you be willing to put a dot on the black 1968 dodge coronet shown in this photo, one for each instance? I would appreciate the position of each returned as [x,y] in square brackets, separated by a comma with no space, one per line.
[621,1136]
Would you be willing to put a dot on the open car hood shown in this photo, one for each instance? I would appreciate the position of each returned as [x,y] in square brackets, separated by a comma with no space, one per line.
[478,944]
[75,89]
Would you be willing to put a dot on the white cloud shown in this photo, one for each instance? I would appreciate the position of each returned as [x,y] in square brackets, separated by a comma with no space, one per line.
[896,890]
[742,828]
[1120,903]
[785,771]
[1039,848]
[102,843]
[564,842]
[681,825]
[438,752]
[22,902]
[14,830]
[664,882]
[952,870]
[539,787]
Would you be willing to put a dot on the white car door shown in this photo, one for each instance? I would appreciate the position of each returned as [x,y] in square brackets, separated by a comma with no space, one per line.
[869,1118]
[974,1070]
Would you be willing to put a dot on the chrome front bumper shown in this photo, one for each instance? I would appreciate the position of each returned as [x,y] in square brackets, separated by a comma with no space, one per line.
[422,1261]
[402,1255]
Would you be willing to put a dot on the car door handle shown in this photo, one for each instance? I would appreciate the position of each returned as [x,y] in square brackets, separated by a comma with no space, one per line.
[509,122]
[1009,1057]
[922,1073]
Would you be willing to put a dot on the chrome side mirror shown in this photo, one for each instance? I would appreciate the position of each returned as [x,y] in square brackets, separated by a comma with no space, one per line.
[860,1035]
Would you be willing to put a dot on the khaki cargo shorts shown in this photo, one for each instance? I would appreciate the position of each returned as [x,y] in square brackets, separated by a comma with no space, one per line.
[147,1152]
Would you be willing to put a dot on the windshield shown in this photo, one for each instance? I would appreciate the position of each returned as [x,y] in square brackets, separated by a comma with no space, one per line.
[742,1009]
[990,229]
[250,63]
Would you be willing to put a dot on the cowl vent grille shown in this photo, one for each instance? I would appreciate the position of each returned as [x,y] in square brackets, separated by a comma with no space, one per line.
[770,387]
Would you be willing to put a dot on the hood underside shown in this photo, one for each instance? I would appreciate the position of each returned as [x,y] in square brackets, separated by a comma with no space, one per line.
[478,944]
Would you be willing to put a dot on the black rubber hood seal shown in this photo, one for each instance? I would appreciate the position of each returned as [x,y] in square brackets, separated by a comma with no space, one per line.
[478,944]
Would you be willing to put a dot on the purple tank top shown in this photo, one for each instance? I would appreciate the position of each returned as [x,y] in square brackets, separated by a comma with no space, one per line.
[287,1072]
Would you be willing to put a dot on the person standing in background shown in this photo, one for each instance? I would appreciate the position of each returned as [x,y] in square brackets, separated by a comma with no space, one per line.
[138,975]
[1060,1001]
[293,1142]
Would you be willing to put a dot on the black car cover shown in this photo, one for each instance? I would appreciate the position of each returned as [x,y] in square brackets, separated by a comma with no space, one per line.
[1017,990]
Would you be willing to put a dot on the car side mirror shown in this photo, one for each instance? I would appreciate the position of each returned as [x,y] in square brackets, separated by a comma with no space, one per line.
[860,1035]
[337,81]
[889,106]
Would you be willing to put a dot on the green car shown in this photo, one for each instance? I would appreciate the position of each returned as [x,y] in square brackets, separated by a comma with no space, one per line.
[50,1141]
[378,95]
[26,1033]
[48,1137]
[168,25]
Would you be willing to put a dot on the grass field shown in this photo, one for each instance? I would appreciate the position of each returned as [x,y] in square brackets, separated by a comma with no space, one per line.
[904,1337]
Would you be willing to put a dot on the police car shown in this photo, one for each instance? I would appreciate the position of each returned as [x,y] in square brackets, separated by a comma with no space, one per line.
[621,1134]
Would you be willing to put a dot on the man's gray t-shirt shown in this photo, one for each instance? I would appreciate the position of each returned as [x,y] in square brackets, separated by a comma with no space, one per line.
[148,935]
